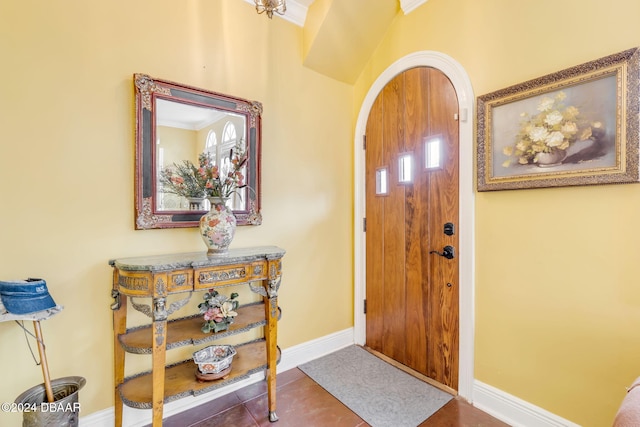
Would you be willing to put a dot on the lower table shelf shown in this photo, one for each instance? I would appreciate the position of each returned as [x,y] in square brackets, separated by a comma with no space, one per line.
[180,379]
[186,330]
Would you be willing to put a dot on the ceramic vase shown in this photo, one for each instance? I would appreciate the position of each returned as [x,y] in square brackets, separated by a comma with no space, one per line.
[218,226]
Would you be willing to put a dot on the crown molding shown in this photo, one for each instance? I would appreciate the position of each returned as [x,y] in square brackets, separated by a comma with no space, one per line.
[296,11]
[409,5]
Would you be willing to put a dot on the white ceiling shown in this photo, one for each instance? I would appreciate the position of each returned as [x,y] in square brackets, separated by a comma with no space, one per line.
[185,116]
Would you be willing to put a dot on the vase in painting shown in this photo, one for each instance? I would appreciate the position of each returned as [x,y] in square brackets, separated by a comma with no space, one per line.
[552,158]
[218,226]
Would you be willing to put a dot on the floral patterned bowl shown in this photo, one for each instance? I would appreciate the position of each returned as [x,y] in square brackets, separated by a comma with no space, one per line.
[214,359]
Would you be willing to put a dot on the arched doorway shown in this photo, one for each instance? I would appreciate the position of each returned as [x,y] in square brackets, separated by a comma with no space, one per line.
[458,77]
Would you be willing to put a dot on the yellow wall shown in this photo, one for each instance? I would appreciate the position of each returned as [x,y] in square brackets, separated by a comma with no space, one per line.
[66,165]
[557,298]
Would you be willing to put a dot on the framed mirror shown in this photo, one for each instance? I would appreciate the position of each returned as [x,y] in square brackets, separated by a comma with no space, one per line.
[176,125]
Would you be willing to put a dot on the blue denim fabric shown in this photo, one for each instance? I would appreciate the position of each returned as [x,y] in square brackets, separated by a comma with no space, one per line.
[25,296]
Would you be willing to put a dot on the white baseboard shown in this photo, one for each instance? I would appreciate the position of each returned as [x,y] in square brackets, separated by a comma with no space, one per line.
[291,358]
[512,410]
[295,356]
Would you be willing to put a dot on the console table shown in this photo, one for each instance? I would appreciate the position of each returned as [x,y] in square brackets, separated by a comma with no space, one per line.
[156,277]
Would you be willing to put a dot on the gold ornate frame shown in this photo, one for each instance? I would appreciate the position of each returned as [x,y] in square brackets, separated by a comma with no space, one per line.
[605,92]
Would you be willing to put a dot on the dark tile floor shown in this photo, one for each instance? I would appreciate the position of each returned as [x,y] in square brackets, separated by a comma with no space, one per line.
[302,402]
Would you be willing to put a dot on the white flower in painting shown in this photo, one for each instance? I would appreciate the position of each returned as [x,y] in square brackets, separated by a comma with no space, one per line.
[539,147]
[538,133]
[522,146]
[553,118]
[554,139]
[545,104]
[569,128]
[571,113]
[586,134]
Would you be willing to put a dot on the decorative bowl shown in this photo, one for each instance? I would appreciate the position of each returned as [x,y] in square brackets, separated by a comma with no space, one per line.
[214,359]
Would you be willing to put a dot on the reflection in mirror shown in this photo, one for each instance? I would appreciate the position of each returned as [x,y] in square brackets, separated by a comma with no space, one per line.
[178,126]
[184,132]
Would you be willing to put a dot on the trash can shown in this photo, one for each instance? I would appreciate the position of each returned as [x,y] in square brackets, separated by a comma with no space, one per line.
[62,412]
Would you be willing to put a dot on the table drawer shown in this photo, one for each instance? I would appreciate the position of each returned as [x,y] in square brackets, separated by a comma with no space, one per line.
[180,281]
[229,274]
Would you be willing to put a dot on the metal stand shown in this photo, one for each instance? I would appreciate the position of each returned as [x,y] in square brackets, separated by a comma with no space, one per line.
[36,318]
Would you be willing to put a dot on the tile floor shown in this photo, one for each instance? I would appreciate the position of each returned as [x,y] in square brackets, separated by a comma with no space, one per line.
[303,403]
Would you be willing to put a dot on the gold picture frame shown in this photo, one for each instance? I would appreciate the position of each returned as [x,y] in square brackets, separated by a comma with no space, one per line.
[578,126]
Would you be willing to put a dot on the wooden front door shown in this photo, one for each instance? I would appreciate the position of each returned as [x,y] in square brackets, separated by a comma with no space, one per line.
[412,230]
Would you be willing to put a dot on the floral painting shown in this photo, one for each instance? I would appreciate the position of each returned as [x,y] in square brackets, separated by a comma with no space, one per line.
[578,121]
[573,127]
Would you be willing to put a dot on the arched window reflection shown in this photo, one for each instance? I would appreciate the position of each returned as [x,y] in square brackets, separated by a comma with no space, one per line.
[211,145]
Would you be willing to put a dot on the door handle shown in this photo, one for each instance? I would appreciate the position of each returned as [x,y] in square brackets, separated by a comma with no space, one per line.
[449,252]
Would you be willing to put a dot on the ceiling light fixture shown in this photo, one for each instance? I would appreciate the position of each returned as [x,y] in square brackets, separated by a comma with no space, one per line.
[270,6]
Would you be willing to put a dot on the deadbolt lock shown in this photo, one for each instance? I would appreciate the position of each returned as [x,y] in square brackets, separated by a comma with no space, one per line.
[449,229]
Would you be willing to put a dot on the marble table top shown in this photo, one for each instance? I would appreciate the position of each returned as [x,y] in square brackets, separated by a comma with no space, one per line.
[196,259]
